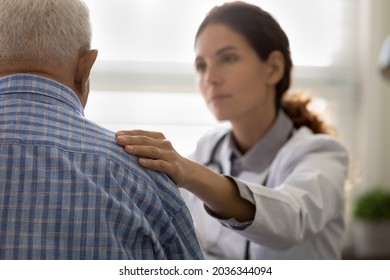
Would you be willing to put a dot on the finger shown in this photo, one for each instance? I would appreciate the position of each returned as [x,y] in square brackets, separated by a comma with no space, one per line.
[139,140]
[150,152]
[126,140]
[155,164]
[139,132]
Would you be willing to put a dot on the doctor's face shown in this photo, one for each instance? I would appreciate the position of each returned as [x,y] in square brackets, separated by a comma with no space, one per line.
[232,78]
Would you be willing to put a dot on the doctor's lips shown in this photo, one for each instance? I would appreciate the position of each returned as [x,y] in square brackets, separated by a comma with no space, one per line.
[217,97]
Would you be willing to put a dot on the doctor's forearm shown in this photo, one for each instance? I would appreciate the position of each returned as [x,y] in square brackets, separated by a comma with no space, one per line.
[219,193]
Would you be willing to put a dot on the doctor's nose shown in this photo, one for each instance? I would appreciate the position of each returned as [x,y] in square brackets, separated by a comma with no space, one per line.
[212,76]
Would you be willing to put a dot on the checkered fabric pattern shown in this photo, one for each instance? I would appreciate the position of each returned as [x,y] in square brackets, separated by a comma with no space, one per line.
[68,191]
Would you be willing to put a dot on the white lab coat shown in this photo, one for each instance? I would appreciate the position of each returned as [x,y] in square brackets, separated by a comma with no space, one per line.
[299,215]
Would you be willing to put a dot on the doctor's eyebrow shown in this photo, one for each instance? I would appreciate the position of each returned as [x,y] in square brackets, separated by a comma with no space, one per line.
[226,49]
[219,52]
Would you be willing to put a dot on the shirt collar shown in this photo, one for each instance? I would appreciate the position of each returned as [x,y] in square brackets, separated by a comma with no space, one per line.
[41,87]
[260,156]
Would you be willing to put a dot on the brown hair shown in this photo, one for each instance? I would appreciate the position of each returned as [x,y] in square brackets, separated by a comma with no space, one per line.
[265,35]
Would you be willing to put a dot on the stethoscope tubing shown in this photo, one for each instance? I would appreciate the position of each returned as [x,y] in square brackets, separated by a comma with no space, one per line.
[213,152]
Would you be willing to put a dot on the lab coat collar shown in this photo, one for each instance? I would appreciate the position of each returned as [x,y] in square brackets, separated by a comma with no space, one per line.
[260,156]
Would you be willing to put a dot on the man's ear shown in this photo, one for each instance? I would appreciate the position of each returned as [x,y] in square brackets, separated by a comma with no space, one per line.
[276,65]
[86,61]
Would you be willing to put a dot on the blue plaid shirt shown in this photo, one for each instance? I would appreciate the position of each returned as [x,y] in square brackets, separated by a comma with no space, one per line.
[68,191]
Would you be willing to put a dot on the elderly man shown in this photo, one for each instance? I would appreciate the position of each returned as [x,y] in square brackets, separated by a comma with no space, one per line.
[67,190]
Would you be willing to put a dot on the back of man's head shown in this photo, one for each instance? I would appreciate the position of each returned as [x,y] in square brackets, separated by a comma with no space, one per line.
[47,32]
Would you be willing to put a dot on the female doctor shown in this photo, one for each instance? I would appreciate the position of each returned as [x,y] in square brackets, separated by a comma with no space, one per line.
[271,187]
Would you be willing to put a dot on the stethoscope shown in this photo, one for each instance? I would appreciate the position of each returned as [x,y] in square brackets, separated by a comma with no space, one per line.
[216,166]
[211,163]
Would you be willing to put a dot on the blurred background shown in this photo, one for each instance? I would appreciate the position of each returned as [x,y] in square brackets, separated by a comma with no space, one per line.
[144,78]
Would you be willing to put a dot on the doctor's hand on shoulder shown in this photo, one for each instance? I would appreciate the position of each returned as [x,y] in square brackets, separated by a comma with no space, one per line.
[156,153]
[216,191]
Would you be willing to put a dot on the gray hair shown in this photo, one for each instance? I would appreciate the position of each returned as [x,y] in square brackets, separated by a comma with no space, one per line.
[43,31]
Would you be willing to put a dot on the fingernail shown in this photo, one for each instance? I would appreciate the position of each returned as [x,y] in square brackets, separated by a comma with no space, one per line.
[129,148]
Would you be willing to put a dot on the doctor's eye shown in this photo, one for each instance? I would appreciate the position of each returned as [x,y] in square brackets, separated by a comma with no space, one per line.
[200,66]
[229,58]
